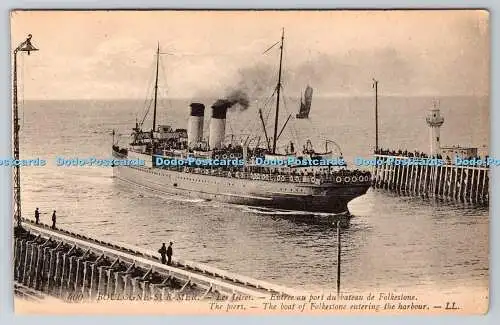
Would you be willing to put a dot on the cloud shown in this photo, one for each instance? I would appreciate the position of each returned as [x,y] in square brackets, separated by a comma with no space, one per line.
[112,55]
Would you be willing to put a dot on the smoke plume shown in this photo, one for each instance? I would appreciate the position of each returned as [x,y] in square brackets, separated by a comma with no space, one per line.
[257,81]
[235,97]
[239,97]
[342,73]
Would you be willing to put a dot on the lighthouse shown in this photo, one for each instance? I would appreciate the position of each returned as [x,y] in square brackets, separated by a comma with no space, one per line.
[434,121]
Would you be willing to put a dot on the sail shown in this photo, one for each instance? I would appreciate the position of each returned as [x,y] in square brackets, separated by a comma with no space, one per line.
[305,103]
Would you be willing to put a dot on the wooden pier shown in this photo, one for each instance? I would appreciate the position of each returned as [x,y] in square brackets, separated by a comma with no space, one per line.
[75,268]
[452,183]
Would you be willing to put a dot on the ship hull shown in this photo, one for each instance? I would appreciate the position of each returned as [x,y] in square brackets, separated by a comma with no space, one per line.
[275,195]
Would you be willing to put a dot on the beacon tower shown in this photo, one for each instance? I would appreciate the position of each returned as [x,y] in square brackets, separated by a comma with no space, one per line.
[434,121]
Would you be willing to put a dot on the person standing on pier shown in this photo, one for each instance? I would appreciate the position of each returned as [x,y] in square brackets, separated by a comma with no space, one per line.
[163,253]
[54,219]
[37,216]
[169,254]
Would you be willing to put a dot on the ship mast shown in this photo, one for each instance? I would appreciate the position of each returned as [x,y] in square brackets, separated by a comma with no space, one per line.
[156,86]
[278,94]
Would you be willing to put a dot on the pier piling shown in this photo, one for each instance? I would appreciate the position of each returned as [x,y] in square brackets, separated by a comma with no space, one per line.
[461,184]
[75,268]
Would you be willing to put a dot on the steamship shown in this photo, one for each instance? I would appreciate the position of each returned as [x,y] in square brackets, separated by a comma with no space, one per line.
[296,188]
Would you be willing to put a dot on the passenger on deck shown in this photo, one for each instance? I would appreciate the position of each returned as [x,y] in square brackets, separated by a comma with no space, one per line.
[163,253]
[37,216]
[54,219]
[169,254]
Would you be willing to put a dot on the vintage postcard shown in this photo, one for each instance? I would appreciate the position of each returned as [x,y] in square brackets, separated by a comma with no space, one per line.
[250,162]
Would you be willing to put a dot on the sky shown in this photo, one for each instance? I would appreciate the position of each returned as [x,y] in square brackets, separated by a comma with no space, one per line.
[111,54]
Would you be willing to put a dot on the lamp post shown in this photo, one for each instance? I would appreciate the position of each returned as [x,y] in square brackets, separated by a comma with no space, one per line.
[338,258]
[25,46]
[375,86]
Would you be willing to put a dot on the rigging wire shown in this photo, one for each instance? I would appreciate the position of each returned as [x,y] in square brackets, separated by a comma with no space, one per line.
[148,100]
[151,90]
[267,103]
[292,130]
[282,92]
[256,123]
[266,109]
[291,125]
[294,134]
[146,106]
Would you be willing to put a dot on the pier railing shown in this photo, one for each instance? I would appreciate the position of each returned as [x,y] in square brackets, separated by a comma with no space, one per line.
[466,184]
[338,177]
[252,172]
